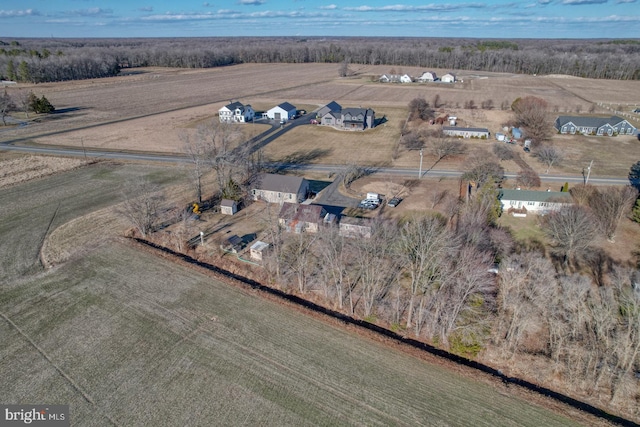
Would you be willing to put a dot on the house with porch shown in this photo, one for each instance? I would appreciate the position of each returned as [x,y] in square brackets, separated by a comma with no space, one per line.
[521,202]
[599,126]
[236,112]
[274,188]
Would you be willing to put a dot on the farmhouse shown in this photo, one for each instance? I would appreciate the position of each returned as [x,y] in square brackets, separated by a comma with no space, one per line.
[539,202]
[298,218]
[236,112]
[613,125]
[428,76]
[274,188]
[349,119]
[332,106]
[282,112]
[461,132]
[448,78]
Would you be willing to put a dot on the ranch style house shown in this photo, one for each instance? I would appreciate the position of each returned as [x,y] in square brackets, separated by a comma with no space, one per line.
[461,132]
[236,112]
[539,202]
[600,126]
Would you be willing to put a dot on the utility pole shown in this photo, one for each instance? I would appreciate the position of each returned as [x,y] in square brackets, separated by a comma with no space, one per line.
[420,171]
[588,173]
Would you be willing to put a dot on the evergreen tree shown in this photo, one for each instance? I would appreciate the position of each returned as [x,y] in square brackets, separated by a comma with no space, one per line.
[565,187]
[11,70]
[634,176]
[635,213]
[41,105]
[23,72]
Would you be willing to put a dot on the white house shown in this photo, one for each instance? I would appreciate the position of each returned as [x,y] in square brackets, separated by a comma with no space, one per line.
[428,76]
[461,132]
[274,188]
[282,112]
[448,78]
[533,201]
[406,78]
[236,112]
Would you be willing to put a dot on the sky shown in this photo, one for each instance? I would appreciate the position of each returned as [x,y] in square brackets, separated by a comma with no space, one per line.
[390,18]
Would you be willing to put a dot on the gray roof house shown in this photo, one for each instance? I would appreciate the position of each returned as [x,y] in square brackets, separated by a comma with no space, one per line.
[349,119]
[610,126]
[356,227]
[332,106]
[274,188]
[465,132]
[533,201]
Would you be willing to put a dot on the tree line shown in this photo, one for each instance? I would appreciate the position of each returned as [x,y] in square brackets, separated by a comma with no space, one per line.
[93,58]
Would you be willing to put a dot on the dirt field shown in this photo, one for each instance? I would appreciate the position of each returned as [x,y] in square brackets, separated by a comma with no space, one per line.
[132,339]
[147,109]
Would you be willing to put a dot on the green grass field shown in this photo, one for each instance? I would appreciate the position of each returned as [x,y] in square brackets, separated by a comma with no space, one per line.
[124,336]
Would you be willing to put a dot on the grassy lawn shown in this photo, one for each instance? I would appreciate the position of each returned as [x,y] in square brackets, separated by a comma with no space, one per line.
[123,335]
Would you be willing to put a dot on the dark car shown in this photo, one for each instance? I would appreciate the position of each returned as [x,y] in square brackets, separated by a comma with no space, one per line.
[394,202]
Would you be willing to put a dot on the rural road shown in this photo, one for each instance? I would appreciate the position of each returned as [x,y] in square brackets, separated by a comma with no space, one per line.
[433,173]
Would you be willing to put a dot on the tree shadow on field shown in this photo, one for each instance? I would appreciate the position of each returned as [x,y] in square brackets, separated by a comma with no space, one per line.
[298,159]
[64,113]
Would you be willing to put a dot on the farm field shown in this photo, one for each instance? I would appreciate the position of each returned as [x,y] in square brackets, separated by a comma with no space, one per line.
[147,110]
[132,339]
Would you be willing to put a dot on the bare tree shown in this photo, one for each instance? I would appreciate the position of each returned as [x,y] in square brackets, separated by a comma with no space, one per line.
[527,177]
[142,203]
[531,114]
[226,157]
[423,246]
[337,261]
[571,230]
[6,106]
[298,256]
[444,147]
[198,153]
[502,151]
[438,197]
[24,101]
[413,141]
[419,109]
[549,155]
[482,172]
[609,205]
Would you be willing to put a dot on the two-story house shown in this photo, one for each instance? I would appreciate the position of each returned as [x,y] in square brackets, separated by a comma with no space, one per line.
[236,112]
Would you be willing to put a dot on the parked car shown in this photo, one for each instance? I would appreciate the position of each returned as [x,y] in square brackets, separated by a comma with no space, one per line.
[394,202]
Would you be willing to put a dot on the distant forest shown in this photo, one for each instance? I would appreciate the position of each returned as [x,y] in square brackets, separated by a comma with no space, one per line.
[45,60]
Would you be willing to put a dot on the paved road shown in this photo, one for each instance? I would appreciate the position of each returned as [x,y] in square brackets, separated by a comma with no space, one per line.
[433,173]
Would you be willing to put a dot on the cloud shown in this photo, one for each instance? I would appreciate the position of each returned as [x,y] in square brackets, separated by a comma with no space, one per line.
[207,4]
[251,2]
[94,11]
[146,9]
[582,2]
[329,7]
[625,1]
[410,8]
[18,13]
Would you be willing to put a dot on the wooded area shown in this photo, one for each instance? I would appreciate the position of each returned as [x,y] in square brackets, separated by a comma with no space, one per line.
[44,60]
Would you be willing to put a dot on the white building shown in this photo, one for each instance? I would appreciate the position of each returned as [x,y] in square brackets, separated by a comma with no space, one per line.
[533,201]
[428,76]
[236,112]
[282,112]
[448,78]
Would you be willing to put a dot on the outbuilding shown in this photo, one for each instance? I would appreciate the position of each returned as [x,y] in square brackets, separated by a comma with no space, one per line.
[283,112]
[228,207]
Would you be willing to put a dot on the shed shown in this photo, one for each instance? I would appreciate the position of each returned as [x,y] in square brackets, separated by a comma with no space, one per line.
[232,244]
[258,250]
[228,207]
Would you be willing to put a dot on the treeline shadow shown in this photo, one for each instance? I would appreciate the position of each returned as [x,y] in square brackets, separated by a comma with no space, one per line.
[496,373]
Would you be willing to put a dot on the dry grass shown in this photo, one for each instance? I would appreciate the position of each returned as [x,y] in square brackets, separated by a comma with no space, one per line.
[17,169]
[123,335]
